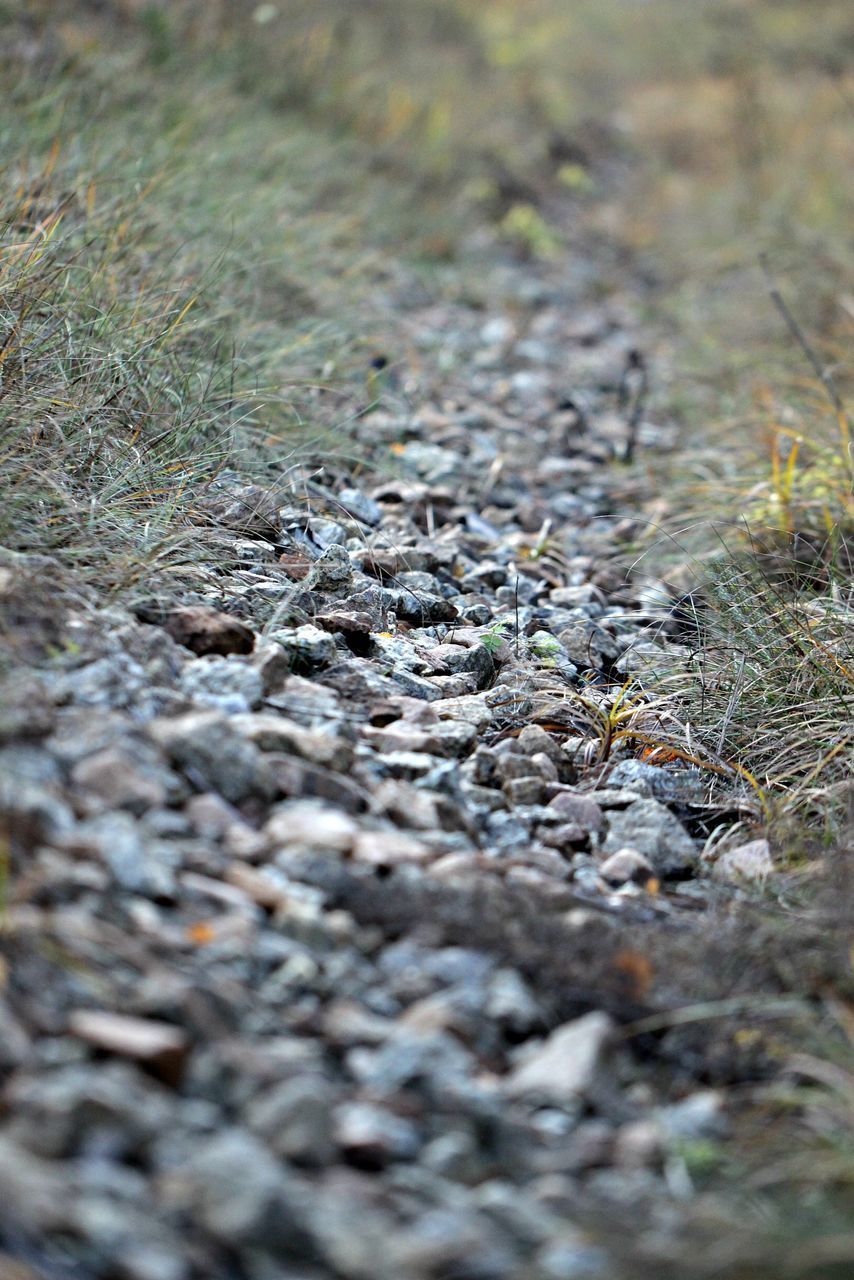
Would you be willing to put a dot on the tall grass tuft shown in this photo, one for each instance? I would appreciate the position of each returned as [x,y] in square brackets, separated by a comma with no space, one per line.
[114,393]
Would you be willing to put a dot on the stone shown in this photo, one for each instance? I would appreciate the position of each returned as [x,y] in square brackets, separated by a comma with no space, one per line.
[371,1137]
[416,686]
[526,790]
[510,1003]
[448,739]
[577,808]
[35,1195]
[659,784]
[626,866]
[158,1046]
[295,1118]
[651,829]
[137,865]
[311,825]
[358,504]
[564,1066]
[278,733]
[116,681]
[308,648]
[33,812]
[701,1115]
[208,631]
[353,624]
[470,708]
[227,684]
[474,659]
[64,1109]
[122,783]
[588,646]
[235,1188]
[750,863]
[421,608]
[408,1060]
[638,1144]
[332,572]
[389,848]
[211,753]
[567,837]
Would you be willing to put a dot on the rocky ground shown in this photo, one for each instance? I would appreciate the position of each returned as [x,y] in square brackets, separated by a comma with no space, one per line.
[340,940]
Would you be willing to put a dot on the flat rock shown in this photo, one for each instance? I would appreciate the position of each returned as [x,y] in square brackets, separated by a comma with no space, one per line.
[564,1065]
[159,1046]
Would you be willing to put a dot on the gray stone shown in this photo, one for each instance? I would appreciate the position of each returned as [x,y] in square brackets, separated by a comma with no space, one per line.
[416,686]
[122,780]
[748,863]
[474,659]
[588,645]
[332,572]
[34,812]
[234,1187]
[227,684]
[626,865]
[61,1111]
[428,1061]
[510,1003]
[421,608]
[646,825]
[572,1257]
[372,1137]
[327,533]
[246,508]
[575,807]
[212,754]
[277,733]
[659,784]
[116,681]
[295,1119]
[430,462]
[34,1192]
[524,791]
[137,865]
[361,506]
[310,824]
[700,1115]
[565,1064]
[307,648]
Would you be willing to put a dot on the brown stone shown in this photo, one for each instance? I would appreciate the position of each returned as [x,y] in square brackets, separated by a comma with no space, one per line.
[159,1046]
[205,630]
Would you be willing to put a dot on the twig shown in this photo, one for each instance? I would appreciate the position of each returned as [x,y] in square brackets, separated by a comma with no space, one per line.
[791,322]
[631,398]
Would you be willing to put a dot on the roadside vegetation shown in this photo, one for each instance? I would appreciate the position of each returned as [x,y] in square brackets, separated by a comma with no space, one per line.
[198,206]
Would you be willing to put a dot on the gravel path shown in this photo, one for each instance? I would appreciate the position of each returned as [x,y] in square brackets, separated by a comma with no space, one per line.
[329,927]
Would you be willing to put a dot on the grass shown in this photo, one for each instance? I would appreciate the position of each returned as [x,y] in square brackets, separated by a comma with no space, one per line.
[156,327]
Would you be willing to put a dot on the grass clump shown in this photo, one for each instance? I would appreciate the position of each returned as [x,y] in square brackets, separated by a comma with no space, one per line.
[113,395]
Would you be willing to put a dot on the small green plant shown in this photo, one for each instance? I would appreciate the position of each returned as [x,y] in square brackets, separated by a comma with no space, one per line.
[494,638]
[526,228]
[545,648]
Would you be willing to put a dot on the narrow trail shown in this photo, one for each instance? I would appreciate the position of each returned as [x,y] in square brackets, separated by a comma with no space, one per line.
[334,945]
